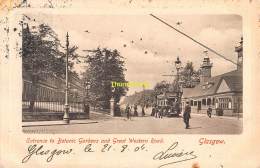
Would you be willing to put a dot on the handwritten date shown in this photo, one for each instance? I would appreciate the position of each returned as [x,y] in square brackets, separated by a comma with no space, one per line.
[108,148]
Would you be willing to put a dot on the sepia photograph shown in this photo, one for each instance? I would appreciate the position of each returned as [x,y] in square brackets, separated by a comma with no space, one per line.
[132,74]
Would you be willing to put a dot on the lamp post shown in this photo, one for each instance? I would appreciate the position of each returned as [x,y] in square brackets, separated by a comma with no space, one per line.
[178,67]
[112,103]
[87,86]
[86,102]
[66,117]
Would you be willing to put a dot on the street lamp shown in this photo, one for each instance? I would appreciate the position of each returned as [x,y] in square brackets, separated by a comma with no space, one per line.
[112,102]
[86,102]
[178,64]
[87,87]
[66,117]
[178,67]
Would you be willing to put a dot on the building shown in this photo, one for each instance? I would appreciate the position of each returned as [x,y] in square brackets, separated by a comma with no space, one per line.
[51,88]
[46,101]
[224,91]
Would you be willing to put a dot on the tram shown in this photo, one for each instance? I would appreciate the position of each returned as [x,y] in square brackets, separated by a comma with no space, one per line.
[169,104]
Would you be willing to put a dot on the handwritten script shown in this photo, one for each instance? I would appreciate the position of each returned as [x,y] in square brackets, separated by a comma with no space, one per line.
[40,151]
[172,156]
[169,156]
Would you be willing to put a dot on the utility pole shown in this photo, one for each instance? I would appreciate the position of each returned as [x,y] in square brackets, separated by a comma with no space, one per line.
[66,117]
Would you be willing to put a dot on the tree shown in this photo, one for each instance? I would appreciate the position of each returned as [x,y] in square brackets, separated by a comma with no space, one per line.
[189,77]
[142,98]
[42,56]
[105,66]
[161,87]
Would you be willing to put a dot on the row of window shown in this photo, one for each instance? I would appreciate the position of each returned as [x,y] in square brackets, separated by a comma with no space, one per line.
[45,94]
[224,103]
[166,102]
[161,103]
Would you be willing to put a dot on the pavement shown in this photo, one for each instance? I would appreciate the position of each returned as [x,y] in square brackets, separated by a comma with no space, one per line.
[220,117]
[94,118]
[60,122]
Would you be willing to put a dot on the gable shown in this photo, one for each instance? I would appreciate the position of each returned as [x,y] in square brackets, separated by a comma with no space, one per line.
[223,87]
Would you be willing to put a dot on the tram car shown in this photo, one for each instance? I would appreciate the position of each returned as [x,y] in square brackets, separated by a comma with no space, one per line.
[169,104]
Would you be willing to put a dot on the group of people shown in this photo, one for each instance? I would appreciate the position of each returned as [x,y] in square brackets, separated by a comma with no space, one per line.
[129,109]
[157,112]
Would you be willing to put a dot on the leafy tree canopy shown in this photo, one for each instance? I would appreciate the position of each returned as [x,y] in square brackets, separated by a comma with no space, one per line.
[104,66]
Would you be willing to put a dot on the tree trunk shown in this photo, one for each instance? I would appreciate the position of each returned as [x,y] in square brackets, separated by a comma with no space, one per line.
[33,94]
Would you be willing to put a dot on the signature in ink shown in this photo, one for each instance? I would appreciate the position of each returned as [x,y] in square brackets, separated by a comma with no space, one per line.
[173,156]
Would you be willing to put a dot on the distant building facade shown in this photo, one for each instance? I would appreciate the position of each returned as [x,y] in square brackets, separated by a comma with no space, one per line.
[224,91]
[52,89]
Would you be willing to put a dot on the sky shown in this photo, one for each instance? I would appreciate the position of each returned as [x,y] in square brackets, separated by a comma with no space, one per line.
[147,60]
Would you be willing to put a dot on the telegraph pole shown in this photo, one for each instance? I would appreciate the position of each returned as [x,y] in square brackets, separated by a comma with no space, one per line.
[66,117]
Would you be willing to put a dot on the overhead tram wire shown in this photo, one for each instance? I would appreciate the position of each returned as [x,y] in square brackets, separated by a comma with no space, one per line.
[208,48]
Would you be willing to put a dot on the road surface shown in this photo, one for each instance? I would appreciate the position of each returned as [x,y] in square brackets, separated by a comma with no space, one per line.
[200,124]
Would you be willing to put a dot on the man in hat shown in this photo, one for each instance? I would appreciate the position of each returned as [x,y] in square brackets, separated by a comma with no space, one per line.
[128,112]
[153,110]
[143,113]
[186,115]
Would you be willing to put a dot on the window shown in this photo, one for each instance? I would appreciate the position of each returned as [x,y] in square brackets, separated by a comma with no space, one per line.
[195,103]
[216,106]
[191,103]
[204,102]
[209,101]
[225,103]
[229,105]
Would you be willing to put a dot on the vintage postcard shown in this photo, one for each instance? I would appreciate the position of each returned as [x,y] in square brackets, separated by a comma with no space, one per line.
[161,84]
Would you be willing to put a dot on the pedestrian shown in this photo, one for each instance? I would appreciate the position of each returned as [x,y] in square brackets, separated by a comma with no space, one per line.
[143,113]
[135,110]
[86,109]
[186,115]
[161,113]
[156,112]
[209,111]
[127,111]
[153,111]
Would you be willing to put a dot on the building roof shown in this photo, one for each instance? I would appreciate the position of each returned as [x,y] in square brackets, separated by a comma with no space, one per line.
[234,83]
[167,95]
[210,87]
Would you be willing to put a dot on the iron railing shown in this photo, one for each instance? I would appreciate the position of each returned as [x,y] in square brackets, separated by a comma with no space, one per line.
[52,106]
